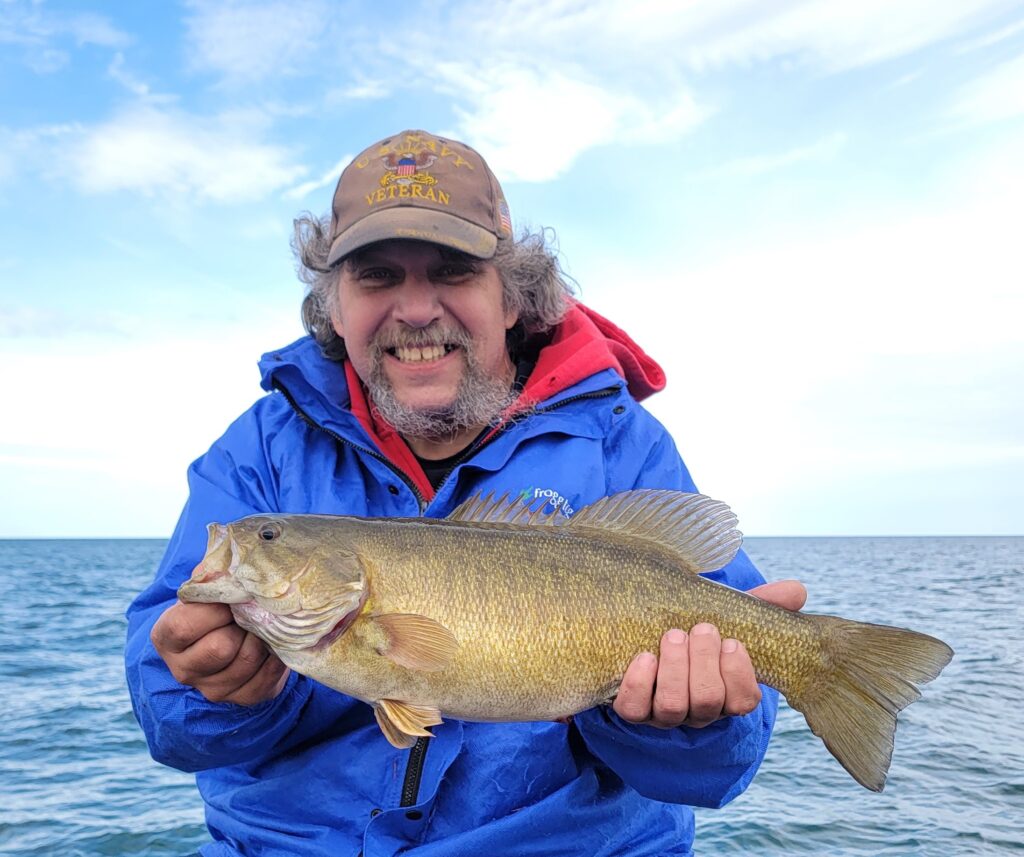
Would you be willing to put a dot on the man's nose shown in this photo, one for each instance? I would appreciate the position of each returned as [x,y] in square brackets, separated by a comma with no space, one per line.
[418,303]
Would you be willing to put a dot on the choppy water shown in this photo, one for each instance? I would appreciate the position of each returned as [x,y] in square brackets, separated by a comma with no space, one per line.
[75,777]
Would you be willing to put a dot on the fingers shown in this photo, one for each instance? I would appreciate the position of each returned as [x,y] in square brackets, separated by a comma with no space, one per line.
[634,699]
[265,683]
[672,691]
[182,624]
[697,679]
[707,688]
[742,692]
[218,658]
[232,665]
[788,594]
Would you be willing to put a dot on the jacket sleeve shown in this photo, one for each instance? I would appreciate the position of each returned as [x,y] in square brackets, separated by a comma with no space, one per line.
[184,729]
[699,767]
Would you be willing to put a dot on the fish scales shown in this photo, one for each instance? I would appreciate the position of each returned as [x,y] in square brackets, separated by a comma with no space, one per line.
[546,621]
[499,613]
[581,609]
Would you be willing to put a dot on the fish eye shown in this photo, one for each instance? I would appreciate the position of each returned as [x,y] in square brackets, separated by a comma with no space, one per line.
[270,531]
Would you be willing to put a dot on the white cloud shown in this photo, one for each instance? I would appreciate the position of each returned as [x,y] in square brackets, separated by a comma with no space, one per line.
[992,38]
[604,72]
[575,114]
[247,42]
[26,150]
[997,95]
[117,71]
[589,73]
[144,372]
[326,180]
[836,36]
[41,33]
[142,408]
[18,322]
[153,151]
[828,34]
[824,149]
[856,348]
[505,104]
[360,90]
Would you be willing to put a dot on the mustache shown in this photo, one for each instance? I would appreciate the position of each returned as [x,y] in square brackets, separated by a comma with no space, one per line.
[422,337]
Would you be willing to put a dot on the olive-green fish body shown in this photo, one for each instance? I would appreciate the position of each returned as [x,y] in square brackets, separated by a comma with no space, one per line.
[497,613]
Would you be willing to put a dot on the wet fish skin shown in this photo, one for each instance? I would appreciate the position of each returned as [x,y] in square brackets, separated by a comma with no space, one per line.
[500,613]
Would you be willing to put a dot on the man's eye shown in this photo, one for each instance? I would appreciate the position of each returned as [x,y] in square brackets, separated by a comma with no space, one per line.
[455,272]
[376,274]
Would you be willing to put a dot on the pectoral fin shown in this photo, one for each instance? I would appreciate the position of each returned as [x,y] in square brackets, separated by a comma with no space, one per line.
[402,722]
[417,642]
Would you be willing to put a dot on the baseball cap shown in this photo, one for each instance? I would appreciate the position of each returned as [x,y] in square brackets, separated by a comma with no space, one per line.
[420,186]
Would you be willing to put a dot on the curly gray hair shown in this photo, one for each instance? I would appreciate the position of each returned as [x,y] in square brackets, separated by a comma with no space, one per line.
[533,283]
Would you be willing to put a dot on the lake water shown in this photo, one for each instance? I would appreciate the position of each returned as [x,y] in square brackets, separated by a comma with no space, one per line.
[76,779]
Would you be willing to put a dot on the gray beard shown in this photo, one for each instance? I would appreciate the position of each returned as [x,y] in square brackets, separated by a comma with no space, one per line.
[479,401]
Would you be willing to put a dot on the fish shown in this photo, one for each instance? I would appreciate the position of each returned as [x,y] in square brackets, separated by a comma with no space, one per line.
[508,612]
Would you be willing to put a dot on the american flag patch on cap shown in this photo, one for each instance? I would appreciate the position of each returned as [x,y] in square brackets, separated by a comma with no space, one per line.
[505,217]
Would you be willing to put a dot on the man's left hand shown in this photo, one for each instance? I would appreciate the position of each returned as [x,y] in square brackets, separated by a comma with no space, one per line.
[698,678]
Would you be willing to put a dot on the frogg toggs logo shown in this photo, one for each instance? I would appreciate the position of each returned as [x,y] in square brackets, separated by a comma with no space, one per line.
[560,504]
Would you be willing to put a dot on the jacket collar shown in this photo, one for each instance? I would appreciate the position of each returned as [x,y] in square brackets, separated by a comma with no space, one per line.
[576,361]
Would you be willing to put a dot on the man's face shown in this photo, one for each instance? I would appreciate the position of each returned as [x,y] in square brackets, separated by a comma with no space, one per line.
[425,330]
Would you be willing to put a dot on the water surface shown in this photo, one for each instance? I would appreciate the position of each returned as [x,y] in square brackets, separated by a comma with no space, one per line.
[76,779]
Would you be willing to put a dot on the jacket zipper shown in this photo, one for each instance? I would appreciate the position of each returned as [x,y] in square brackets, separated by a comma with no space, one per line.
[418,753]
[414,772]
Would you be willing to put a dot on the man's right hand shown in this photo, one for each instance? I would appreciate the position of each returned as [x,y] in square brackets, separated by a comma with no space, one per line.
[204,648]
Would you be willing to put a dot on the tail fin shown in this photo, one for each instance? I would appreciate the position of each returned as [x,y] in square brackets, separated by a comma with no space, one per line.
[870,673]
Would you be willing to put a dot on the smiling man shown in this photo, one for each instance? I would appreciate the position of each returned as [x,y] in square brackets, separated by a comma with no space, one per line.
[426,327]
[445,358]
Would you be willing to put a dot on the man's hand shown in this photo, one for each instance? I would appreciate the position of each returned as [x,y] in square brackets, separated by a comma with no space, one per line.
[699,677]
[205,649]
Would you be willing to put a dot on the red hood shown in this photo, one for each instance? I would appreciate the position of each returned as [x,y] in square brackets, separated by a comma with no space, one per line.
[583,344]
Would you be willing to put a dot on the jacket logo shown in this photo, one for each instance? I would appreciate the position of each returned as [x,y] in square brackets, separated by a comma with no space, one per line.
[553,498]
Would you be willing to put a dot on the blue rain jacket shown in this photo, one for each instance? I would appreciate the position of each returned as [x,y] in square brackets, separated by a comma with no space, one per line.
[309,772]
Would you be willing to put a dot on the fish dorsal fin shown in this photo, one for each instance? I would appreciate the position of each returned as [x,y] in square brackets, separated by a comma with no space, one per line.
[402,722]
[701,531]
[485,509]
[417,642]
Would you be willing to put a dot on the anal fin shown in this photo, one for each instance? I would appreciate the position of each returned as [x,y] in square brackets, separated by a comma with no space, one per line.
[402,722]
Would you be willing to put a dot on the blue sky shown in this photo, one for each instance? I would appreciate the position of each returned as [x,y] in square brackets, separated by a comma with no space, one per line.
[809,212]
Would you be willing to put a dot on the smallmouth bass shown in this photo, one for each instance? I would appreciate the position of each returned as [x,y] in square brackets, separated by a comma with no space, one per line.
[502,612]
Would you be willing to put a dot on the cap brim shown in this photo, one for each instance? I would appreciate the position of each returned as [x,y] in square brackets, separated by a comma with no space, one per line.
[416,224]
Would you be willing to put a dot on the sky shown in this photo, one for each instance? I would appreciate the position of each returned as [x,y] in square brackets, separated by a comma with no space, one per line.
[810,213]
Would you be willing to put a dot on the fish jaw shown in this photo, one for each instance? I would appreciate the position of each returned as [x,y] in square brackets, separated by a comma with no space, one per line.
[223,590]
[213,579]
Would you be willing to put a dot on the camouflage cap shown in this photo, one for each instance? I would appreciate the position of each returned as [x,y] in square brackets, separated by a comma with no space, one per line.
[418,186]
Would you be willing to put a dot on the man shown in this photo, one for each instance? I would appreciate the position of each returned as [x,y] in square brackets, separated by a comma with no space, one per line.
[445,359]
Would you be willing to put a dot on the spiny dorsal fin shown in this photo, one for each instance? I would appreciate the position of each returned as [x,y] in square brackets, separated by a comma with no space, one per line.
[700,530]
[484,509]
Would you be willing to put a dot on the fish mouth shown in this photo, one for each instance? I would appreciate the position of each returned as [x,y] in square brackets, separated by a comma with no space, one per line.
[428,353]
[213,579]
